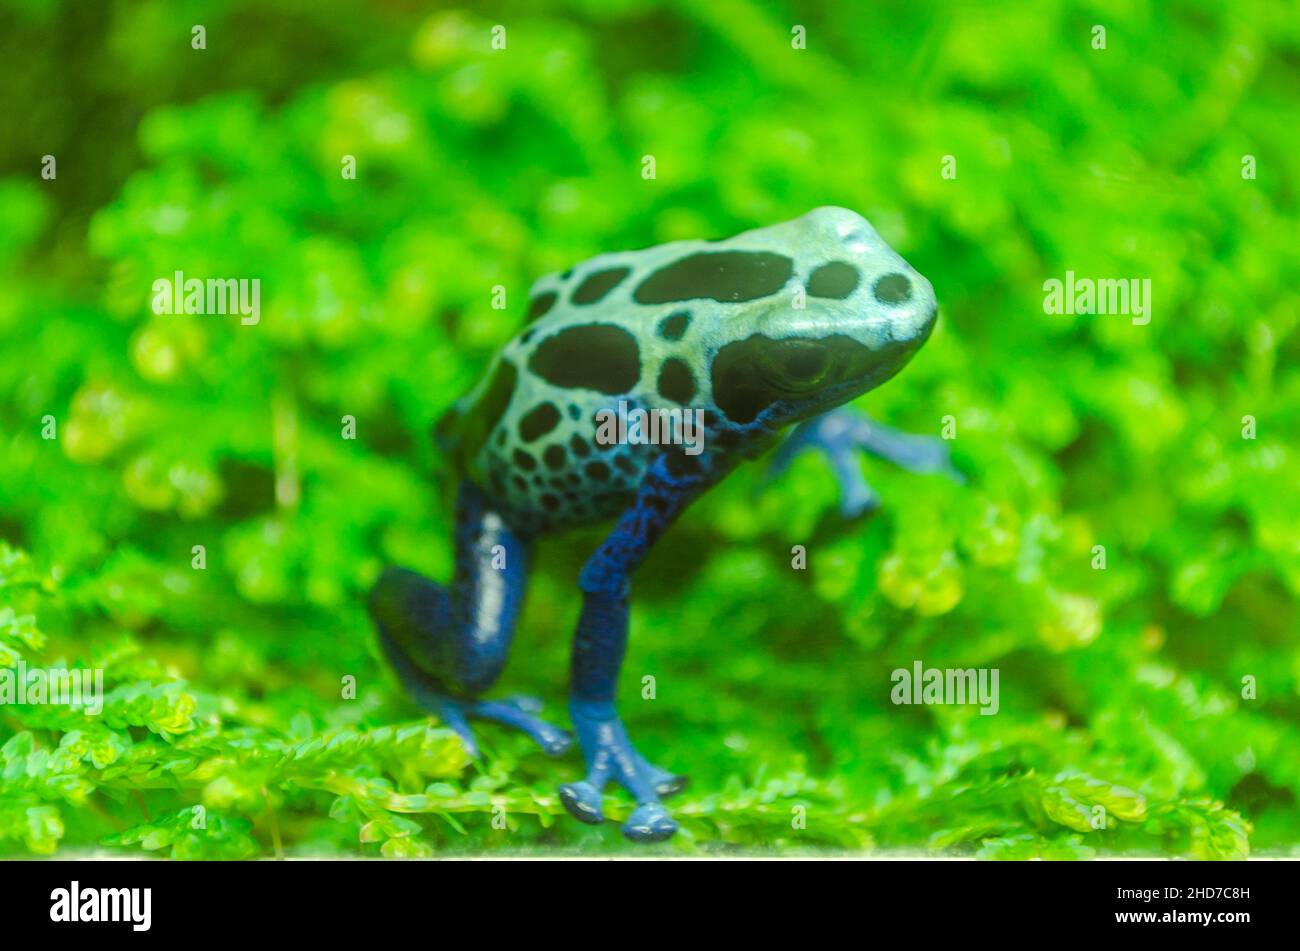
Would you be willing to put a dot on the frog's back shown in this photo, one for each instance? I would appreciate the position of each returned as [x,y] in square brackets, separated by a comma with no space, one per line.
[621,327]
[527,433]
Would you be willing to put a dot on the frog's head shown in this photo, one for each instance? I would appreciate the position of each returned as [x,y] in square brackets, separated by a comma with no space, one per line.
[849,317]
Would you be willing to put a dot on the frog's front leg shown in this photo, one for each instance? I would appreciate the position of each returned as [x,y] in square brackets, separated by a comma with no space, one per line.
[598,649]
[842,432]
[449,646]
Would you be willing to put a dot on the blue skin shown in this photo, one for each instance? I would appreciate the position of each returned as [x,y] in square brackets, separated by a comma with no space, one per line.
[446,651]
[839,435]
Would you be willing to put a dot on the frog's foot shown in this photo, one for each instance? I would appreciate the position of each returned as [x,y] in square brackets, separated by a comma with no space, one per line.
[610,756]
[516,712]
[519,713]
[840,433]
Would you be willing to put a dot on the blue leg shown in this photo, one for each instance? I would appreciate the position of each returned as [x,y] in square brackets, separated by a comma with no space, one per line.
[449,647]
[598,649]
[841,432]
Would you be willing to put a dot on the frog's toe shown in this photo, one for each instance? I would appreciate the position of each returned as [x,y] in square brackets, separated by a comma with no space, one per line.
[908,451]
[583,802]
[455,713]
[556,745]
[650,822]
[840,434]
[453,717]
[665,783]
[670,784]
[518,713]
[856,497]
[525,702]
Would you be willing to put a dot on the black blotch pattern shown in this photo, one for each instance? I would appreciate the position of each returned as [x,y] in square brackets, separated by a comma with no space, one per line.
[893,289]
[624,462]
[541,304]
[836,280]
[739,391]
[579,447]
[673,327]
[539,421]
[598,471]
[524,461]
[497,483]
[728,276]
[593,356]
[680,464]
[575,413]
[617,499]
[520,482]
[550,502]
[676,382]
[599,283]
[554,457]
[487,411]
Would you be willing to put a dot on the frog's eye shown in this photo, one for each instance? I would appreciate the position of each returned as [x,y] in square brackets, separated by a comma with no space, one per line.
[751,374]
[795,364]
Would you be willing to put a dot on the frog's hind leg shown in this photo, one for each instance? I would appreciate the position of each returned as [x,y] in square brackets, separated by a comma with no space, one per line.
[449,646]
[840,433]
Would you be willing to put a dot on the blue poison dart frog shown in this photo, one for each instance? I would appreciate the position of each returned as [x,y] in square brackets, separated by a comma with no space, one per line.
[774,327]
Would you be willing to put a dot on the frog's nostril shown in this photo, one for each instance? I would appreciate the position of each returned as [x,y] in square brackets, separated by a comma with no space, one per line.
[893,289]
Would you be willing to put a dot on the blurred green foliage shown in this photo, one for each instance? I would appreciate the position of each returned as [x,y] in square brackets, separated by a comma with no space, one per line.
[225,732]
